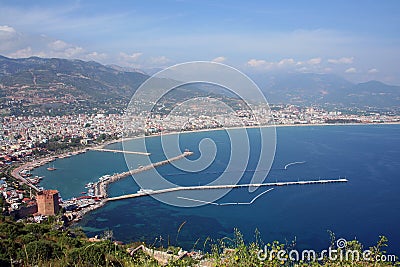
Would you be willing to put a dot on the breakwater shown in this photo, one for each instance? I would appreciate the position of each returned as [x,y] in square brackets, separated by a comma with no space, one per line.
[210,187]
[100,188]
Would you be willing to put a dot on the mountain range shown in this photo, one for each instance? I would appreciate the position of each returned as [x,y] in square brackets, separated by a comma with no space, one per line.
[55,86]
[327,90]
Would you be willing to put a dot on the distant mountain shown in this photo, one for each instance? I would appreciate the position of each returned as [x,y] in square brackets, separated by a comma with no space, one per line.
[374,93]
[57,86]
[39,85]
[327,90]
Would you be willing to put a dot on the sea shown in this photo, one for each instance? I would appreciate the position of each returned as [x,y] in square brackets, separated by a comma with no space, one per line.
[364,208]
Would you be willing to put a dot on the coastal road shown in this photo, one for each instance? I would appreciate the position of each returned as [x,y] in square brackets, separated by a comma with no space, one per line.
[16,174]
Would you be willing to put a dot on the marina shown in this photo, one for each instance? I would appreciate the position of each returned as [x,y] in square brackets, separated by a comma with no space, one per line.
[100,188]
[324,159]
[96,195]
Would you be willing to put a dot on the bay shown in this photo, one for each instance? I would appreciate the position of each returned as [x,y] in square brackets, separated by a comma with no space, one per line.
[364,208]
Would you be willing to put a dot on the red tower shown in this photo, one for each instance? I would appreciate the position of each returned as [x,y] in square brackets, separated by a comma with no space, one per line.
[48,202]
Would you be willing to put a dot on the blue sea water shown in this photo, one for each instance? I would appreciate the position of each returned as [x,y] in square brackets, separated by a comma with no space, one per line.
[364,208]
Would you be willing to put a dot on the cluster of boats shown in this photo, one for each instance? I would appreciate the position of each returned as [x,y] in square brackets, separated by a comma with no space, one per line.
[34,180]
[25,173]
[104,178]
[91,186]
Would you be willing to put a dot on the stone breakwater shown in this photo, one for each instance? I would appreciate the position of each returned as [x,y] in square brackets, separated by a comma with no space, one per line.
[99,198]
[100,188]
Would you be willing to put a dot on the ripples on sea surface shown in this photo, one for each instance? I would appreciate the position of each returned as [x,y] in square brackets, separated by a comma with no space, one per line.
[364,208]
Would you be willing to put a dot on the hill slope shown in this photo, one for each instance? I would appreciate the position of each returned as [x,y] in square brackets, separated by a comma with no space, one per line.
[327,90]
[37,86]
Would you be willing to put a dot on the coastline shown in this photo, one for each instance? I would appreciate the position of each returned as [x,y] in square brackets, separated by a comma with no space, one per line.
[45,160]
[101,202]
[251,127]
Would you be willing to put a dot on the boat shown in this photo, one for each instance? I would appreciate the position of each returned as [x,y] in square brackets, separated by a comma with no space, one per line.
[51,168]
[25,173]
[144,191]
[83,193]
[89,185]
[91,192]
[104,178]
[34,180]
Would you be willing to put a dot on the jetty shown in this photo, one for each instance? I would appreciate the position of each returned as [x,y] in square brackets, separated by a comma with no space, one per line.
[100,188]
[120,151]
[149,192]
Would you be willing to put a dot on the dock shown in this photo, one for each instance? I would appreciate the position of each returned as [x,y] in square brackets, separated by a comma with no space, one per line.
[210,187]
[100,188]
[120,151]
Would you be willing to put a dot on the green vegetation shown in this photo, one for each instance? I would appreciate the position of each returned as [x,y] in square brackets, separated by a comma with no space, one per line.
[58,144]
[23,244]
[236,252]
[40,244]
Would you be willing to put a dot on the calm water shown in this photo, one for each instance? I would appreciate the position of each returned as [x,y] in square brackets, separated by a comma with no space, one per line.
[364,208]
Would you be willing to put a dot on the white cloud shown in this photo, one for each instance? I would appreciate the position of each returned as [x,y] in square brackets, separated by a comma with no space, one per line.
[131,58]
[20,45]
[312,64]
[256,62]
[159,61]
[7,29]
[72,52]
[59,48]
[314,61]
[8,39]
[342,60]
[351,70]
[58,45]
[96,56]
[26,52]
[219,59]
[286,62]
[373,71]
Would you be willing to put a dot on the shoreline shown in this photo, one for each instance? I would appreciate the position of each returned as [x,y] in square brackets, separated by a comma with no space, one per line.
[45,160]
[98,204]
[121,140]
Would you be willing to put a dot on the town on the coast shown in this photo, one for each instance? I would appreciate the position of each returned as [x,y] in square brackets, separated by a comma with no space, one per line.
[28,142]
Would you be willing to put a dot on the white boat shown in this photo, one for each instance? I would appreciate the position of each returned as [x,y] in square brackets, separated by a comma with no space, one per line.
[104,177]
[144,191]
[89,185]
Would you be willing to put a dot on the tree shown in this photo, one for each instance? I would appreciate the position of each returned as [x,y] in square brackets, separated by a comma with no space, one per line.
[41,250]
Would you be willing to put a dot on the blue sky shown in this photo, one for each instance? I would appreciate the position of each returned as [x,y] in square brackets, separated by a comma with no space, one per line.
[359,40]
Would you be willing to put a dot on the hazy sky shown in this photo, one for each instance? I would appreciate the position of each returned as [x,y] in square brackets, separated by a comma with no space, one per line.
[359,40]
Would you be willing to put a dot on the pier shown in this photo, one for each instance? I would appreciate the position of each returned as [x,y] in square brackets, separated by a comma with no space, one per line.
[210,187]
[120,151]
[100,188]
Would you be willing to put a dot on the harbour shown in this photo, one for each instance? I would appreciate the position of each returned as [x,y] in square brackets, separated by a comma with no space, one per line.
[320,207]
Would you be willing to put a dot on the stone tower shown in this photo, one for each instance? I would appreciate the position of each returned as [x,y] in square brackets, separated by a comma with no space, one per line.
[48,202]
